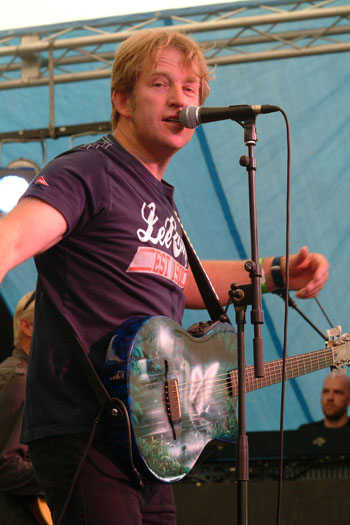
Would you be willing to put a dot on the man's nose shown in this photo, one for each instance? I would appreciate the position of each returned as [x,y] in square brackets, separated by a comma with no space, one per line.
[176,96]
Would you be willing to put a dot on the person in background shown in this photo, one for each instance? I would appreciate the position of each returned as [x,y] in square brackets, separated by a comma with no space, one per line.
[18,487]
[335,399]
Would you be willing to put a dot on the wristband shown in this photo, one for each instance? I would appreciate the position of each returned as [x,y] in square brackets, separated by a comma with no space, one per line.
[262,281]
[276,272]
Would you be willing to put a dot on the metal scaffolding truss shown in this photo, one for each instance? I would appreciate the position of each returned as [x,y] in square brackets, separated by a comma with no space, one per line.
[235,33]
[244,31]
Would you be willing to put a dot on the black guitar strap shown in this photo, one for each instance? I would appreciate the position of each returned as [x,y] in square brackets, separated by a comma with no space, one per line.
[82,357]
[113,406]
[205,287]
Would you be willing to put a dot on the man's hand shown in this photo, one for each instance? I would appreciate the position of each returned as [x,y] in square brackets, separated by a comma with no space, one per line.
[308,272]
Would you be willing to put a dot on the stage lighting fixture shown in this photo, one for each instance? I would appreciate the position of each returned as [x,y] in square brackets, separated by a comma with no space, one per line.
[14,180]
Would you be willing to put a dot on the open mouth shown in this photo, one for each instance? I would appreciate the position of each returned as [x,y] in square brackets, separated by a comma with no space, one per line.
[172,119]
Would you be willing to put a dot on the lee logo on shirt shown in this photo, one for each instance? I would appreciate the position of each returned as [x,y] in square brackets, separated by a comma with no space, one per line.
[161,234]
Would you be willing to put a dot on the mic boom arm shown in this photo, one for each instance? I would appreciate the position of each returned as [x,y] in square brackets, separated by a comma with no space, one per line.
[193,116]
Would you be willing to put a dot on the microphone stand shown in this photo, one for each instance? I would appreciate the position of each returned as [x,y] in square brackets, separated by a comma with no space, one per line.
[241,296]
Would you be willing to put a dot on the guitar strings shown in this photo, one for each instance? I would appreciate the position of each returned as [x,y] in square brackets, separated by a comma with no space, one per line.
[275,367]
[216,384]
[229,380]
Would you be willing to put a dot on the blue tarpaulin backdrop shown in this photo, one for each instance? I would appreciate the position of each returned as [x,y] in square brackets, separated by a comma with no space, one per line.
[212,194]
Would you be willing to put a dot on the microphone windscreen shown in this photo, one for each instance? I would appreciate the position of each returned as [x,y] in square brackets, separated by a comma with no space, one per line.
[188,117]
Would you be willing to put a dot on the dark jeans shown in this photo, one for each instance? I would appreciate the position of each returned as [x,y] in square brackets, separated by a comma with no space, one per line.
[18,491]
[104,494]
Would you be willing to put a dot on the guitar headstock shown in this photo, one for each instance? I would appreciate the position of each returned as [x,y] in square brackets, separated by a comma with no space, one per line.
[340,345]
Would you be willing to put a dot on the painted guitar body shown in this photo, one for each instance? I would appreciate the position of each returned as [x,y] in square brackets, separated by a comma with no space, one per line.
[175,387]
[180,391]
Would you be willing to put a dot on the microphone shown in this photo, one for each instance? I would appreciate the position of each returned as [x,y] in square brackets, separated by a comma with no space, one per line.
[193,116]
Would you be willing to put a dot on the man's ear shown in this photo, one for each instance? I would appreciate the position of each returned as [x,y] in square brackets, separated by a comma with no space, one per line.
[121,102]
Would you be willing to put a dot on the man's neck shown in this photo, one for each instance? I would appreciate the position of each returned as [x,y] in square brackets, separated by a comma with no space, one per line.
[25,344]
[336,423]
[155,167]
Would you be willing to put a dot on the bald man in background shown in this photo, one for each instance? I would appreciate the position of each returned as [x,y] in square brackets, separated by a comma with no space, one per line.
[335,399]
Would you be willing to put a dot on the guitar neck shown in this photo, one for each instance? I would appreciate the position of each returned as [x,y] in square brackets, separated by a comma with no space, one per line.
[295,366]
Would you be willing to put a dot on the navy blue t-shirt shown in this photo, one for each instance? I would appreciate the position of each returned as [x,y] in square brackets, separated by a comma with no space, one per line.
[122,256]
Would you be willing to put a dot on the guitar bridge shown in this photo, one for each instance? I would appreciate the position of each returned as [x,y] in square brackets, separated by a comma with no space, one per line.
[172,400]
[232,383]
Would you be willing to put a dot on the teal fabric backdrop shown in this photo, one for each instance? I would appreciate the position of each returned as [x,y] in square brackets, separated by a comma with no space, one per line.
[212,194]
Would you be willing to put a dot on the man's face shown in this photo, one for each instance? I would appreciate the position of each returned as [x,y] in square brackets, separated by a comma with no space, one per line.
[335,397]
[162,89]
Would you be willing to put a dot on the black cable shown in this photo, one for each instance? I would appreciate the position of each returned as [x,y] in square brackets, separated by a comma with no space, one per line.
[134,470]
[279,498]
[324,312]
[83,457]
[292,303]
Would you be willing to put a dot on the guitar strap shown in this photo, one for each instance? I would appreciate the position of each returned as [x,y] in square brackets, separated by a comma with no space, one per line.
[113,406]
[205,287]
[82,357]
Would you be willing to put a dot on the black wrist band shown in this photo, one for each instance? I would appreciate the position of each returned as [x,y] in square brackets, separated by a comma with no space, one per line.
[276,272]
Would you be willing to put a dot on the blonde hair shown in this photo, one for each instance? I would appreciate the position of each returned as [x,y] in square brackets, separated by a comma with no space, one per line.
[145,45]
[24,310]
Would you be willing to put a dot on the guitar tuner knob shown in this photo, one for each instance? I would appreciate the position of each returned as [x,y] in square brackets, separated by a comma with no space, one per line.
[334,333]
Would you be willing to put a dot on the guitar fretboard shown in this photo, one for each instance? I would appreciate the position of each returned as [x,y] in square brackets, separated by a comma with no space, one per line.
[295,366]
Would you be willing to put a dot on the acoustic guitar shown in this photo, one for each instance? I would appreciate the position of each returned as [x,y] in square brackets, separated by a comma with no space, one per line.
[180,390]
